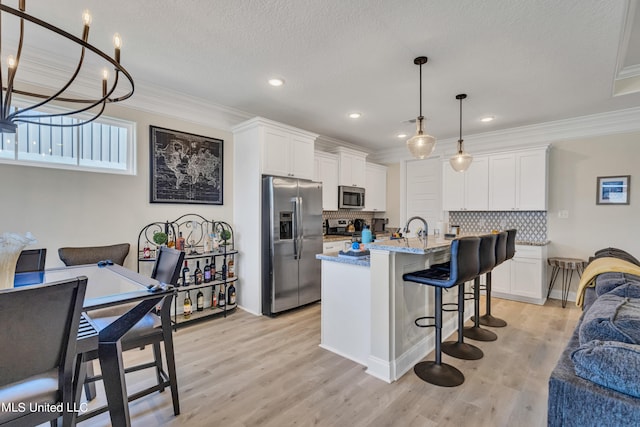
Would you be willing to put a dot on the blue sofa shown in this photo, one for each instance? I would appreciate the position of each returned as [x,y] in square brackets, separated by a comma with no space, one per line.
[598,383]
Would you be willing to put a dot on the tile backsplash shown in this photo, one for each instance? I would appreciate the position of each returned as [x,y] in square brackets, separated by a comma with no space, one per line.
[531,225]
[348,214]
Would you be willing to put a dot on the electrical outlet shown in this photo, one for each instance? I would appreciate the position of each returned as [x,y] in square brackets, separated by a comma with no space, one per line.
[503,223]
[482,222]
[563,214]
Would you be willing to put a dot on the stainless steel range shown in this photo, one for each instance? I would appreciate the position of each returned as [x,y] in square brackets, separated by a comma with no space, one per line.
[337,227]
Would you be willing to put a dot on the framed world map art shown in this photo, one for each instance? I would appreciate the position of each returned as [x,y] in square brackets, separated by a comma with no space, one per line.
[185,168]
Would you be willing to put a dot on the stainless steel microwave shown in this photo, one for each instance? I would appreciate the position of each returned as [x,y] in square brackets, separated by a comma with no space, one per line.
[350,197]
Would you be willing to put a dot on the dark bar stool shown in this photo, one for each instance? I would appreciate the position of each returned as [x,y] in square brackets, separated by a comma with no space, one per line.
[487,262]
[464,266]
[505,249]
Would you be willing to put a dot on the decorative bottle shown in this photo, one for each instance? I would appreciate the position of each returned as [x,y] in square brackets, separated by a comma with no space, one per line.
[180,242]
[214,298]
[213,268]
[230,268]
[221,298]
[200,300]
[197,275]
[207,272]
[185,274]
[231,292]
[207,244]
[146,251]
[187,306]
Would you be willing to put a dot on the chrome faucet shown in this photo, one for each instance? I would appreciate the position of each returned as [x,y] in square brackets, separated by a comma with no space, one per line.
[421,234]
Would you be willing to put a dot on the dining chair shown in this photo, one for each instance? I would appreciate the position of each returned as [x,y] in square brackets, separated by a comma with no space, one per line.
[39,334]
[31,260]
[153,329]
[92,254]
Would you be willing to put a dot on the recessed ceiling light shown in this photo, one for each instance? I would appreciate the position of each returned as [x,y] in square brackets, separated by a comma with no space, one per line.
[401,135]
[276,82]
[487,119]
[355,115]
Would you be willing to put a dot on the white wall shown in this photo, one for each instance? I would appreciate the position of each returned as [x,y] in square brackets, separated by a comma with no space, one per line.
[70,208]
[393,195]
[573,170]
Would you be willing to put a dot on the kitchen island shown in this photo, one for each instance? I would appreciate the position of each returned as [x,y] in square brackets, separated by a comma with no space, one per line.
[368,311]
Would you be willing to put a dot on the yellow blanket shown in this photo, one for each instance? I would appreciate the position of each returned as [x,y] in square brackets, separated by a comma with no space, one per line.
[599,266]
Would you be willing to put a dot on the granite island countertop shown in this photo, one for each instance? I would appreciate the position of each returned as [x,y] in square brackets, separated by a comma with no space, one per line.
[364,261]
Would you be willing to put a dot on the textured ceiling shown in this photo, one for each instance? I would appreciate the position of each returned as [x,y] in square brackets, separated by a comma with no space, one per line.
[522,61]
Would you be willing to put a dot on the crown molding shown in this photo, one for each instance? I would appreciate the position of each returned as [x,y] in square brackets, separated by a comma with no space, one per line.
[153,99]
[39,66]
[328,144]
[613,122]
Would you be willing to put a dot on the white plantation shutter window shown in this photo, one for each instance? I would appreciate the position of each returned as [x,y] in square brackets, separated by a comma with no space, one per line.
[104,145]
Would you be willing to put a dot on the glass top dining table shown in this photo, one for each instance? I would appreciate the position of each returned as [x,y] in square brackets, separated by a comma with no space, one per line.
[107,286]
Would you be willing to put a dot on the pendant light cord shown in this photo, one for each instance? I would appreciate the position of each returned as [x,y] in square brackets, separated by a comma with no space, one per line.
[460,139]
[420,90]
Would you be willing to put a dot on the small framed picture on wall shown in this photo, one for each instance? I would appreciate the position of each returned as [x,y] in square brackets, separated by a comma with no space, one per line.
[613,190]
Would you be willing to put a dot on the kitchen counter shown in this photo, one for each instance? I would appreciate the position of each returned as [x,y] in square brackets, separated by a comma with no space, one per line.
[363,261]
[337,237]
[411,245]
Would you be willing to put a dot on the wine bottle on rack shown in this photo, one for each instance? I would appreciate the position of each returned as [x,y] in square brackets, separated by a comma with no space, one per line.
[146,251]
[221,298]
[231,292]
[170,240]
[187,306]
[214,298]
[224,271]
[207,272]
[200,300]
[206,245]
[215,244]
[197,275]
[231,268]
[180,242]
[185,274]
[213,268]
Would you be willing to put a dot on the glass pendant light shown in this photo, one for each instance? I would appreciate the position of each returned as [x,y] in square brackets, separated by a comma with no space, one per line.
[461,161]
[421,145]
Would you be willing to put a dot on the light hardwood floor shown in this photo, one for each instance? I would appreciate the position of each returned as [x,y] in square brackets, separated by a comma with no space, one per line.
[247,370]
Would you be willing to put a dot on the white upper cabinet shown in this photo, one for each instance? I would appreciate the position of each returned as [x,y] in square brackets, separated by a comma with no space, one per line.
[286,151]
[466,190]
[375,196]
[502,182]
[531,172]
[518,181]
[352,166]
[326,172]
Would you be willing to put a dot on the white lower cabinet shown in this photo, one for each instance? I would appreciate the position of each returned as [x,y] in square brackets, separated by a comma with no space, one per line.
[522,278]
[334,246]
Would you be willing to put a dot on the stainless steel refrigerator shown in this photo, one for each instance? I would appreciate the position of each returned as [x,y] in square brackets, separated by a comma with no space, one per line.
[291,238]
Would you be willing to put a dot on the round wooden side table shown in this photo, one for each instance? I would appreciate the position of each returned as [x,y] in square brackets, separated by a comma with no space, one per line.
[567,266]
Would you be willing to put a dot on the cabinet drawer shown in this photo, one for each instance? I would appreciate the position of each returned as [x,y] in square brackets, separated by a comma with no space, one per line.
[525,251]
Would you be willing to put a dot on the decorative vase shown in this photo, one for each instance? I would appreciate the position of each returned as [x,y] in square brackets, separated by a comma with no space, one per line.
[11,244]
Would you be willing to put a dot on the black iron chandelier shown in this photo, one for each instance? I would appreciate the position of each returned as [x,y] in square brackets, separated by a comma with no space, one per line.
[93,106]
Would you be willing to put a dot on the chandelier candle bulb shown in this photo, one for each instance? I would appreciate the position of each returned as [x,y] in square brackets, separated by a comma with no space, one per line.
[117,42]
[86,18]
